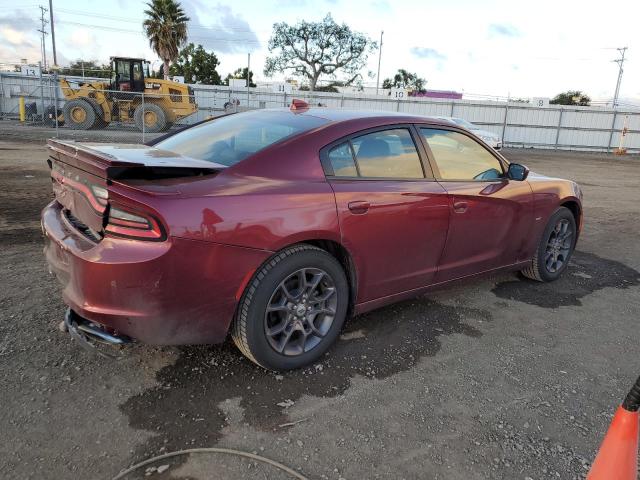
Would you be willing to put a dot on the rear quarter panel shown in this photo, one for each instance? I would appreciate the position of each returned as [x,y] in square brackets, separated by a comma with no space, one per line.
[255,212]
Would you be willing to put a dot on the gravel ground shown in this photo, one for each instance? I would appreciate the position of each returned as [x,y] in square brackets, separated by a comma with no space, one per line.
[498,378]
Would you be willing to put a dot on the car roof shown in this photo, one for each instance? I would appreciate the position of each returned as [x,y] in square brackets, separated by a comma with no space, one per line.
[336,115]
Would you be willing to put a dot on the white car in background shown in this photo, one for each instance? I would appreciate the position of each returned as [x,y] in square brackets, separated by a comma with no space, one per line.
[488,137]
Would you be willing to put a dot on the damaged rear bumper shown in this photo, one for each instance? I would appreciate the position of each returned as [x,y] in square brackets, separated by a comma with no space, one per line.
[174,292]
[89,334]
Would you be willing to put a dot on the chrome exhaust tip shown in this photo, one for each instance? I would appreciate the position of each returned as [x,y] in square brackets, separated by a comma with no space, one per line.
[88,334]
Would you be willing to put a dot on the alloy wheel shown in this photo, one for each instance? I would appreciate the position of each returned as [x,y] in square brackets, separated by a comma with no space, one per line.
[558,246]
[300,311]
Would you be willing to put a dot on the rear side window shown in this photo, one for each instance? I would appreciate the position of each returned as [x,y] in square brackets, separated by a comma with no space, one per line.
[229,140]
[342,161]
[387,154]
[381,154]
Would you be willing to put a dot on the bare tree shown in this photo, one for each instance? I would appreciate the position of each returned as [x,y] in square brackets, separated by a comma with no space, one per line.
[313,49]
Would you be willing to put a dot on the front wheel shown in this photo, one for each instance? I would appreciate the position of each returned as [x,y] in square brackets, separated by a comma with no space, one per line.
[293,309]
[555,249]
[150,118]
[79,114]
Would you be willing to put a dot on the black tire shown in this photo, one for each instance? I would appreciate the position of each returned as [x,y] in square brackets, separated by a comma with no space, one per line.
[250,326]
[552,245]
[160,123]
[79,114]
[99,123]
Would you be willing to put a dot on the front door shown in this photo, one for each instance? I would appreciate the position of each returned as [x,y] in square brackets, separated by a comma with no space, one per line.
[491,215]
[393,218]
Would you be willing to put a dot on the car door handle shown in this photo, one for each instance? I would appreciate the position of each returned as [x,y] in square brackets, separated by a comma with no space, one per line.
[359,207]
[460,207]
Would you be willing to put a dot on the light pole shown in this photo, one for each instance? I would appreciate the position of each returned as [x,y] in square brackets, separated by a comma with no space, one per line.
[53,34]
[379,60]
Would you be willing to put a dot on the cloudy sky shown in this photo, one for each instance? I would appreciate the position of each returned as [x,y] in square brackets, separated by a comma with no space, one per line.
[492,47]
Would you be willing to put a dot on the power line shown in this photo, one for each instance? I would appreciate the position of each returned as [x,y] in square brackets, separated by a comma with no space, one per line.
[139,21]
[620,62]
[138,32]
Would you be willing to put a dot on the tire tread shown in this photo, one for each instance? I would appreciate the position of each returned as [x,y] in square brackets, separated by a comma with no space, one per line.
[239,324]
[533,270]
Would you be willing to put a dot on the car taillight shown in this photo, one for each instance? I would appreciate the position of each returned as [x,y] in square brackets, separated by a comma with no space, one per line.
[124,222]
[100,193]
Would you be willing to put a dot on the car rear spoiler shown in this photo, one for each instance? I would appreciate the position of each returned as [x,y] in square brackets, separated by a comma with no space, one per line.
[116,167]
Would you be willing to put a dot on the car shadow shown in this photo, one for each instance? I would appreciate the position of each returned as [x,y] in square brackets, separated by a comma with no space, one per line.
[586,274]
[183,410]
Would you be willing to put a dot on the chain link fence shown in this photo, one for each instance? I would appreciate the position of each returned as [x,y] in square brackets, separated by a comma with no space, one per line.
[132,117]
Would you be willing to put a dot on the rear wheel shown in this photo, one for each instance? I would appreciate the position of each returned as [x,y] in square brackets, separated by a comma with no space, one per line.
[79,114]
[293,309]
[555,249]
[153,116]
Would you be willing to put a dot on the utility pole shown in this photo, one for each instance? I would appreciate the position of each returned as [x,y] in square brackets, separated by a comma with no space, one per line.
[620,62]
[379,60]
[42,30]
[53,34]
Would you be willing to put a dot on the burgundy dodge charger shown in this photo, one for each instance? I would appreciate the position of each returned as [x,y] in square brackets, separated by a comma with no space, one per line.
[275,225]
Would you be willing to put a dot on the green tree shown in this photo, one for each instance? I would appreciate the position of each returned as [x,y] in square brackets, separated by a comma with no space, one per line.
[241,73]
[196,65]
[87,68]
[166,28]
[571,97]
[405,79]
[313,49]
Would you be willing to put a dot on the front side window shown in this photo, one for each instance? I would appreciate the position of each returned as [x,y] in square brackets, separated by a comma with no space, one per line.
[459,157]
[387,154]
[230,139]
[122,69]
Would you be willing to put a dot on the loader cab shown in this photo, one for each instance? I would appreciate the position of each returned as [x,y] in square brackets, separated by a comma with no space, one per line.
[128,74]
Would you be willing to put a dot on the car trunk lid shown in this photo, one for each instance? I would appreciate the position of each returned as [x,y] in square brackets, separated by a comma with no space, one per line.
[82,174]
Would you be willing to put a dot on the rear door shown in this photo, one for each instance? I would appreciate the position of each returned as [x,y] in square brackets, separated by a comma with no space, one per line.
[393,215]
[491,216]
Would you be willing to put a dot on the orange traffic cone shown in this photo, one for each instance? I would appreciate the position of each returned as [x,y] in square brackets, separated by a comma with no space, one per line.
[617,458]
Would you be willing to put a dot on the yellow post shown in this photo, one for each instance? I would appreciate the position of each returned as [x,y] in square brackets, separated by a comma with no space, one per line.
[23,115]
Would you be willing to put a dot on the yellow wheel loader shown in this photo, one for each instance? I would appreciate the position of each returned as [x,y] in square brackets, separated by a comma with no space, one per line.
[97,104]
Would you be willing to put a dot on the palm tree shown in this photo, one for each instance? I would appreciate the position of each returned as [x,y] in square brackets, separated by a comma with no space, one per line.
[166,27]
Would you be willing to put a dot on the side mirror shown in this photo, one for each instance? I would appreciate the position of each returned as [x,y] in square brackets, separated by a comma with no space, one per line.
[517,172]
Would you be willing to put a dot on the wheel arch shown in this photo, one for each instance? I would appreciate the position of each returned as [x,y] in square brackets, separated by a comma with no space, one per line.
[333,248]
[344,257]
[576,209]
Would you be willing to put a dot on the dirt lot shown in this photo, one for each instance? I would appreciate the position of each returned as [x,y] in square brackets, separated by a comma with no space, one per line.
[500,378]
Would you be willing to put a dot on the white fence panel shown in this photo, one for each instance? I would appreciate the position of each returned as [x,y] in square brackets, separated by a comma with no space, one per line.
[524,136]
[481,114]
[569,127]
[584,138]
[587,119]
[633,121]
[533,116]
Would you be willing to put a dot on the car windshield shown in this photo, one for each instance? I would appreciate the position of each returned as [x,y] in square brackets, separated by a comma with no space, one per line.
[230,139]
[464,123]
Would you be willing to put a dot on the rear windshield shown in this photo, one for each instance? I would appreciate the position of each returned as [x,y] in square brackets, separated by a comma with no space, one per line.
[229,140]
